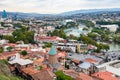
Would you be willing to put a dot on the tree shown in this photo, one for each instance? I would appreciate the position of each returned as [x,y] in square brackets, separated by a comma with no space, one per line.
[24,34]
[9,49]
[92,35]
[73,37]
[40,67]
[106,47]
[66,65]
[59,33]
[2,23]
[87,40]
[47,45]
[116,39]
[61,76]
[85,29]
[24,53]
[87,23]
[101,46]
[10,38]
[1,49]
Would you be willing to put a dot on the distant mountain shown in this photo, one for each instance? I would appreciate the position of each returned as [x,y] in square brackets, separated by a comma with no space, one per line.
[24,15]
[89,11]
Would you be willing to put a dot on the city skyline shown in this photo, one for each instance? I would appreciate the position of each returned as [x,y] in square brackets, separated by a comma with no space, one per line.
[55,6]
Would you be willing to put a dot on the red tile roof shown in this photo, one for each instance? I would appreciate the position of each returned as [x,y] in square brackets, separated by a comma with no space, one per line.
[30,70]
[83,76]
[76,61]
[47,38]
[39,74]
[104,76]
[62,54]
[5,55]
[90,60]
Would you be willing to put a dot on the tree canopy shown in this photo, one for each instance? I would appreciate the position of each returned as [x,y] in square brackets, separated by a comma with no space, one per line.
[24,53]
[61,76]
[1,49]
[24,34]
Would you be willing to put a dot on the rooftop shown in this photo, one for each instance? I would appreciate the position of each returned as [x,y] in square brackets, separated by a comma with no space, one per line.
[104,76]
[21,61]
[83,76]
[90,60]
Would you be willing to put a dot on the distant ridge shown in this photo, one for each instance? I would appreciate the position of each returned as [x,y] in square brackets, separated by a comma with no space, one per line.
[21,14]
[90,11]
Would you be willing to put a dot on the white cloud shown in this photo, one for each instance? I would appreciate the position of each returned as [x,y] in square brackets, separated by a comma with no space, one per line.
[55,6]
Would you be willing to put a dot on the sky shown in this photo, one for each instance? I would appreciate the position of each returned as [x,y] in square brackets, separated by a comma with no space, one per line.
[55,6]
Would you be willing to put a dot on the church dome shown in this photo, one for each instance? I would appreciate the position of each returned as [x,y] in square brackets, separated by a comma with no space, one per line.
[53,50]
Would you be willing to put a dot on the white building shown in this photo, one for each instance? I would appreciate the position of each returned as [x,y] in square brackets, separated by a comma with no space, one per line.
[112,66]
[112,28]
[16,59]
[2,42]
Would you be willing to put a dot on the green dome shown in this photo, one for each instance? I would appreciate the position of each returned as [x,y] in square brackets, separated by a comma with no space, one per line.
[53,50]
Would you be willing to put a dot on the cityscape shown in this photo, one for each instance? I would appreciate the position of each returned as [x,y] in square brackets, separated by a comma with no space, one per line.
[59,40]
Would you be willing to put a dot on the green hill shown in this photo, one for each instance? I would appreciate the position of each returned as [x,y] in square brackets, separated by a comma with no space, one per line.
[5,72]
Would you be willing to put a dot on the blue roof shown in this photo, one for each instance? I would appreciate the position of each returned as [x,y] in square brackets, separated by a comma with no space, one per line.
[53,50]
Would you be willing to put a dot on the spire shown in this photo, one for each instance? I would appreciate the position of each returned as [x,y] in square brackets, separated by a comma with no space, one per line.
[53,50]
[4,14]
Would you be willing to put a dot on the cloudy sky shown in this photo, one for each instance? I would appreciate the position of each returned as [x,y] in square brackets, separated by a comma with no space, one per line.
[55,6]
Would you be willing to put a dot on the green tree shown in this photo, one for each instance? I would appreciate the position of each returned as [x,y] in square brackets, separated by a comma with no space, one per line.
[24,53]
[87,40]
[10,38]
[2,24]
[24,34]
[59,33]
[9,48]
[1,49]
[61,76]
[66,65]
[116,39]
[40,67]
[92,35]
[106,47]
[73,37]
[87,23]
[47,45]
[85,29]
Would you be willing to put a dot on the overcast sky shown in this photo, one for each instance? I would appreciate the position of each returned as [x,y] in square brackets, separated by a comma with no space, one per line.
[55,6]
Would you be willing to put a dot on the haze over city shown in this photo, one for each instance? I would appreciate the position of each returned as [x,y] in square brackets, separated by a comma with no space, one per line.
[59,39]
[55,6]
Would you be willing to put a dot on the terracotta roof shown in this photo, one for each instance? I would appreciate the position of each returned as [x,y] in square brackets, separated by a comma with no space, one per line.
[5,55]
[47,38]
[62,54]
[39,61]
[11,44]
[47,49]
[76,61]
[36,54]
[30,70]
[90,47]
[83,76]
[44,75]
[90,60]
[104,76]
[71,73]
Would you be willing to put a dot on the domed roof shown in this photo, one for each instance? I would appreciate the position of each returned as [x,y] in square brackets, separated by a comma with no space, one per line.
[53,50]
